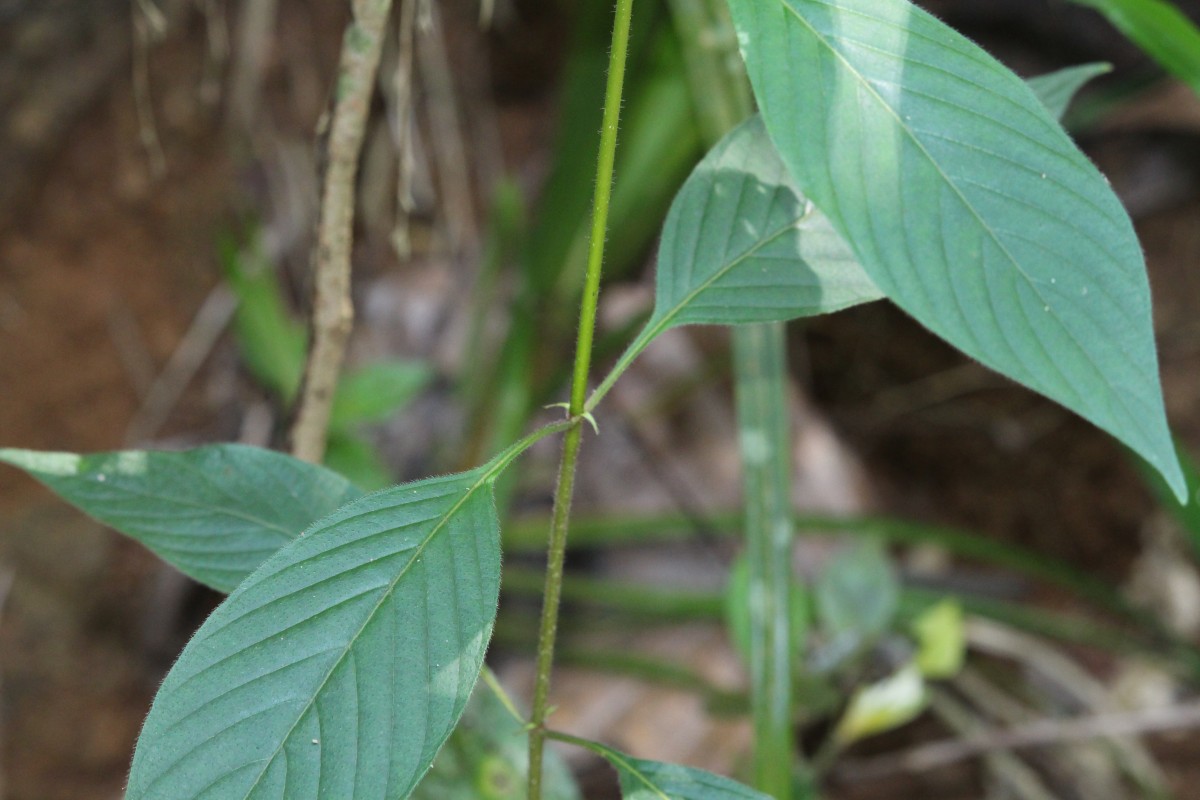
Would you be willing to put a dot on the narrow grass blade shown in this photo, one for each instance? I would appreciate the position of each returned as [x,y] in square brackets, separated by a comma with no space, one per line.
[1167,34]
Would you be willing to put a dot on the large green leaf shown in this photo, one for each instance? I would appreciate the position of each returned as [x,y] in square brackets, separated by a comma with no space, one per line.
[214,512]
[1160,29]
[964,201]
[655,780]
[339,667]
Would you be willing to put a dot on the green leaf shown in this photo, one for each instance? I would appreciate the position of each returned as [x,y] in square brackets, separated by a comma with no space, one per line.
[964,201]
[654,780]
[1057,89]
[742,245]
[857,593]
[353,457]
[941,639]
[487,758]
[272,342]
[340,667]
[883,705]
[1187,513]
[374,392]
[215,512]
[1162,30]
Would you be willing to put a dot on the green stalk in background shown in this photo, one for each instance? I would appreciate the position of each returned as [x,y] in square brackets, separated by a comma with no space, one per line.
[560,516]
[722,99]
[761,384]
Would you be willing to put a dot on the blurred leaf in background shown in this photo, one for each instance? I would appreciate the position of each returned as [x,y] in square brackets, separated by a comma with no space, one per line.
[273,344]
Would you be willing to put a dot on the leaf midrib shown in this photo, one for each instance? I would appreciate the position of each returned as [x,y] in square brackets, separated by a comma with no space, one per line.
[663,321]
[485,476]
[1033,285]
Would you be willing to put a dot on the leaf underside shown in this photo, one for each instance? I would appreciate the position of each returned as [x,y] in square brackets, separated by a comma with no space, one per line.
[964,201]
[214,512]
[340,667]
[742,245]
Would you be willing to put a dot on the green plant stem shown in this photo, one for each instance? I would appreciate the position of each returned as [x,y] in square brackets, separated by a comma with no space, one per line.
[760,381]
[564,490]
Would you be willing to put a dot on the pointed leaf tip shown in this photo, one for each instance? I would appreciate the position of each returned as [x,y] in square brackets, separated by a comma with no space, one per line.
[965,202]
[215,512]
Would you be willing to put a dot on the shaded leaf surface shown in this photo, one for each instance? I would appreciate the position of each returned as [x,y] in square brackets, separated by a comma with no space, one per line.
[964,201]
[742,245]
[1057,89]
[339,667]
[215,512]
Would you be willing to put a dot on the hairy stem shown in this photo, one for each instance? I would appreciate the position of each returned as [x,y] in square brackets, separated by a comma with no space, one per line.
[333,312]
[564,490]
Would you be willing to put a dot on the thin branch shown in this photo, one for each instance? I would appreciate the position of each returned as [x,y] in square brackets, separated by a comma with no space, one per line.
[333,312]
[197,343]
[1035,734]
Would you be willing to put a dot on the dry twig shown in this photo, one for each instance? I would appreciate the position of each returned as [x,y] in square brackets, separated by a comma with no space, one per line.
[201,336]
[333,312]
[1042,732]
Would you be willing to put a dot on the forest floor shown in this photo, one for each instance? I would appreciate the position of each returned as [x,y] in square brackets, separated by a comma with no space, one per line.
[106,259]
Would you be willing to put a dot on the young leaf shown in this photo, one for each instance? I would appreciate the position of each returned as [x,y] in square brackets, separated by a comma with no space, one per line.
[1057,89]
[883,705]
[373,392]
[215,513]
[964,201]
[857,593]
[339,667]
[655,780]
[941,639]
[741,244]
[1159,28]
[271,340]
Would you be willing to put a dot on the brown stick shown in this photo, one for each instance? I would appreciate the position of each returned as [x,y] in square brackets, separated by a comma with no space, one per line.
[333,312]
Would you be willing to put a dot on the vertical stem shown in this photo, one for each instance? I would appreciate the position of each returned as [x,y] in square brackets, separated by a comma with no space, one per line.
[583,357]
[333,313]
[759,364]
[722,96]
